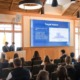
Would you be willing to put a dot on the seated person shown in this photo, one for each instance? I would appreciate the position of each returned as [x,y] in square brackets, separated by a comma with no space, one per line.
[70,68]
[46,61]
[12,47]
[72,57]
[43,75]
[63,54]
[77,67]
[36,56]
[61,74]
[18,73]
[15,56]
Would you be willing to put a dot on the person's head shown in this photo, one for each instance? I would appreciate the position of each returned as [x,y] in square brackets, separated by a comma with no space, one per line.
[17,62]
[6,43]
[62,73]
[16,55]
[63,51]
[68,60]
[72,54]
[47,60]
[13,43]
[36,54]
[43,75]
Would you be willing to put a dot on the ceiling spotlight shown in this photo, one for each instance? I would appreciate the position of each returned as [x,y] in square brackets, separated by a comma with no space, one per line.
[30,4]
[54,3]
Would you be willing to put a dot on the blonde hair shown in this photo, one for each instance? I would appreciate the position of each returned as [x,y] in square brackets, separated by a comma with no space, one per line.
[43,75]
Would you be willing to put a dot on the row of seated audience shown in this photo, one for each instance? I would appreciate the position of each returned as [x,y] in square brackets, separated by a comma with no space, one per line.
[65,68]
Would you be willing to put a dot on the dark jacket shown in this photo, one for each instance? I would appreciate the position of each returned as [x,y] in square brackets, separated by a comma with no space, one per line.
[11,48]
[5,49]
[20,74]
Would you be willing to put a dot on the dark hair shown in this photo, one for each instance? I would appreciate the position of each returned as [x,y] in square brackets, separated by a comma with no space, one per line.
[17,62]
[22,59]
[63,51]
[72,54]
[43,75]
[47,60]
[36,54]
[16,55]
[13,42]
[6,42]
[62,73]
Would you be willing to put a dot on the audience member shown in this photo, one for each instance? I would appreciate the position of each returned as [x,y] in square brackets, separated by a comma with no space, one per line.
[63,54]
[68,61]
[77,67]
[70,68]
[36,56]
[5,48]
[61,73]
[15,56]
[72,55]
[43,75]
[12,47]
[46,61]
[18,73]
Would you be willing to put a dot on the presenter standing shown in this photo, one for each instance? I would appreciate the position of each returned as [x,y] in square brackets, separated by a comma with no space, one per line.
[12,47]
[5,48]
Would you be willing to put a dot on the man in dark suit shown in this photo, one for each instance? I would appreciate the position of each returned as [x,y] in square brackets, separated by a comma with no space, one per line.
[12,47]
[63,56]
[5,48]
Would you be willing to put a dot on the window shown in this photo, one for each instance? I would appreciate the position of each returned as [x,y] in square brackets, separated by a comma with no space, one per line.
[77,39]
[10,33]
[49,1]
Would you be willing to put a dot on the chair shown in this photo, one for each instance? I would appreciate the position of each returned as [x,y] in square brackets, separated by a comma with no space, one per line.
[36,69]
[57,61]
[37,62]
[51,68]
[5,72]
[53,76]
[28,67]
[71,73]
[28,63]
[11,64]
[4,65]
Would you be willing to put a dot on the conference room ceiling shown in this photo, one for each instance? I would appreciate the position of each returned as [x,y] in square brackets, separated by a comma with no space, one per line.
[12,5]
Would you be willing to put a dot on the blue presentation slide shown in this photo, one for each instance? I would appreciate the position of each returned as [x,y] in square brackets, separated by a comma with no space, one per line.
[49,33]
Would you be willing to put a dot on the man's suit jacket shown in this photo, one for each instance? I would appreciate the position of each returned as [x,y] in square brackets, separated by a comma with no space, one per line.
[5,49]
[11,48]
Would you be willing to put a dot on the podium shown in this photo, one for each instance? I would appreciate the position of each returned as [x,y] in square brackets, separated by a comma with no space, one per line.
[10,55]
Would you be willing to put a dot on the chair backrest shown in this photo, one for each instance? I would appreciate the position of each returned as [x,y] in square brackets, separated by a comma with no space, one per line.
[5,65]
[37,62]
[11,64]
[71,73]
[53,76]
[28,67]
[28,63]
[57,61]
[36,69]
[51,68]
[5,72]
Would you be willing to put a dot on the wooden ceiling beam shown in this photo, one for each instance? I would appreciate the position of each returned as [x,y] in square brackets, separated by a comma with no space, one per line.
[11,5]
